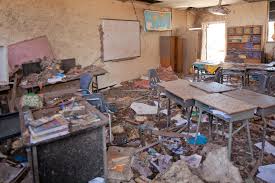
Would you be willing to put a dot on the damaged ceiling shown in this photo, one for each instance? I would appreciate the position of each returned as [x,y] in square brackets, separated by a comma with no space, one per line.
[184,4]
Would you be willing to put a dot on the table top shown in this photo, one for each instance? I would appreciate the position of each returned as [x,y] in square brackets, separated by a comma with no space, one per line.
[225,103]
[212,87]
[182,89]
[260,100]
[95,71]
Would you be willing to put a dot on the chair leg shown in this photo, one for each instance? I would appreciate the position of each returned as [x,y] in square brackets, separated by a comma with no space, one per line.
[198,125]
[168,112]
[249,138]
[229,147]
[110,128]
[263,139]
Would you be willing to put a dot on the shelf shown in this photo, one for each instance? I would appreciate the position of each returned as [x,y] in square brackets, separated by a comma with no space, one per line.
[242,43]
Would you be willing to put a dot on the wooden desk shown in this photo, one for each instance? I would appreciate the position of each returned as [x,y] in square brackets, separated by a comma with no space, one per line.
[67,83]
[265,104]
[233,110]
[212,87]
[181,92]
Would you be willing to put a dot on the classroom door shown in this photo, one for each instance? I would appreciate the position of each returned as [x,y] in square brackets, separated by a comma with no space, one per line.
[215,42]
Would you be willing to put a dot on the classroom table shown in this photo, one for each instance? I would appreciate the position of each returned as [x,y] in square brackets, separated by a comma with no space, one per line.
[181,92]
[229,110]
[71,81]
[212,87]
[265,106]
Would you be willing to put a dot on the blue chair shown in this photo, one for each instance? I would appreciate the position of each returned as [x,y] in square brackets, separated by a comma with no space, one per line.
[153,79]
[271,85]
[96,99]
[261,82]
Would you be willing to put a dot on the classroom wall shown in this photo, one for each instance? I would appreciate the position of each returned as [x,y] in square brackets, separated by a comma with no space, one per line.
[72,29]
[243,14]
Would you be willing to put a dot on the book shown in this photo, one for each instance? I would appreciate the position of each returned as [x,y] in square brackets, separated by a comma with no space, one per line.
[57,124]
[35,140]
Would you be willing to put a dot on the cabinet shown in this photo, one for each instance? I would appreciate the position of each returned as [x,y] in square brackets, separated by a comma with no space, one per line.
[171,52]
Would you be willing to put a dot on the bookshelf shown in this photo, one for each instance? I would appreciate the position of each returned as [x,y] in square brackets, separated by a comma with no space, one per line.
[245,43]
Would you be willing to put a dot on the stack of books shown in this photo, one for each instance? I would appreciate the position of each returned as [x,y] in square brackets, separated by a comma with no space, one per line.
[42,130]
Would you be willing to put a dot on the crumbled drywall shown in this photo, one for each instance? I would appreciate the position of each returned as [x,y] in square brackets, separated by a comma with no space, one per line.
[217,168]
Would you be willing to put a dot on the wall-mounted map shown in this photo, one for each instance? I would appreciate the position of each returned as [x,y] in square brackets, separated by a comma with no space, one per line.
[157,21]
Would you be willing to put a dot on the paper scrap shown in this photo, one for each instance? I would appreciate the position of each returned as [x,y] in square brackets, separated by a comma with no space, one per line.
[267,173]
[144,109]
[179,119]
[193,161]
[269,148]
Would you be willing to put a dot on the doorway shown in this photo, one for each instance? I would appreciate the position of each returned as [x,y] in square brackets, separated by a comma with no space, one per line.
[214,36]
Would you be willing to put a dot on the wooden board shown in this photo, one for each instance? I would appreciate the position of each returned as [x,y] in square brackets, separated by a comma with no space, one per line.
[120,39]
[25,51]
[212,87]
[182,89]
[225,103]
[260,100]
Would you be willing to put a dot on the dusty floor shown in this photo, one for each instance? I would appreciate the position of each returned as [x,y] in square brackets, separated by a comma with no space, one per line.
[126,94]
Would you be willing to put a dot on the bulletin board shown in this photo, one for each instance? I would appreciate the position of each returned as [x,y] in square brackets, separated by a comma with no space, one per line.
[120,39]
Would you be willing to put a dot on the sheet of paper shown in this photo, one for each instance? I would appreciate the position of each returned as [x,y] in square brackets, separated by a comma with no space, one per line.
[267,173]
[269,148]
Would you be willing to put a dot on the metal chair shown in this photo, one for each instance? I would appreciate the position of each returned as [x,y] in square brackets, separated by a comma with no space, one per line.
[260,84]
[153,79]
[217,77]
[271,85]
[95,99]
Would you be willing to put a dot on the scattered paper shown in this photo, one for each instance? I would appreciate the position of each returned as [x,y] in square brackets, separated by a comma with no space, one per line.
[144,109]
[180,120]
[267,173]
[269,148]
[193,161]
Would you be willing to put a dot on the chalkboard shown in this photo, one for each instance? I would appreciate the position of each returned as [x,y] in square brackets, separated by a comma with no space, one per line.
[120,39]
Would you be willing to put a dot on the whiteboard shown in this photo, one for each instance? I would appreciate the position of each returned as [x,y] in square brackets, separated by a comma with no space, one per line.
[120,39]
[4,75]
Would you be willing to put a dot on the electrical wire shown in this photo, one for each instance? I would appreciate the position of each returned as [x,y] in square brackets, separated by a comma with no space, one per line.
[134,9]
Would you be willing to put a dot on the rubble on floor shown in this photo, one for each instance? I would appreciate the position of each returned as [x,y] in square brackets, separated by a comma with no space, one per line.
[194,160]
[217,168]
[180,173]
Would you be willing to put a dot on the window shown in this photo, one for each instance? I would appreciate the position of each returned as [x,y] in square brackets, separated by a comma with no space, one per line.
[271,22]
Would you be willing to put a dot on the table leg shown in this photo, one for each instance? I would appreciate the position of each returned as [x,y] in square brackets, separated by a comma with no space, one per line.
[96,83]
[229,147]
[189,118]
[168,112]
[263,139]
[198,127]
[210,117]
[158,115]
[249,139]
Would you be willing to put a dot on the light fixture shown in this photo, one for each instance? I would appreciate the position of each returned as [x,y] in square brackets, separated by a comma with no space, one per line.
[219,9]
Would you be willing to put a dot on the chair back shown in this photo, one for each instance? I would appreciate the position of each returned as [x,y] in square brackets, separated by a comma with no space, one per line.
[85,82]
[271,85]
[261,82]
[218,75]
[153,78]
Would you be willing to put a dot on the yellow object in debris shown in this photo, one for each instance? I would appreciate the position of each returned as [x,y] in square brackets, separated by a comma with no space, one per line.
[211,68]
